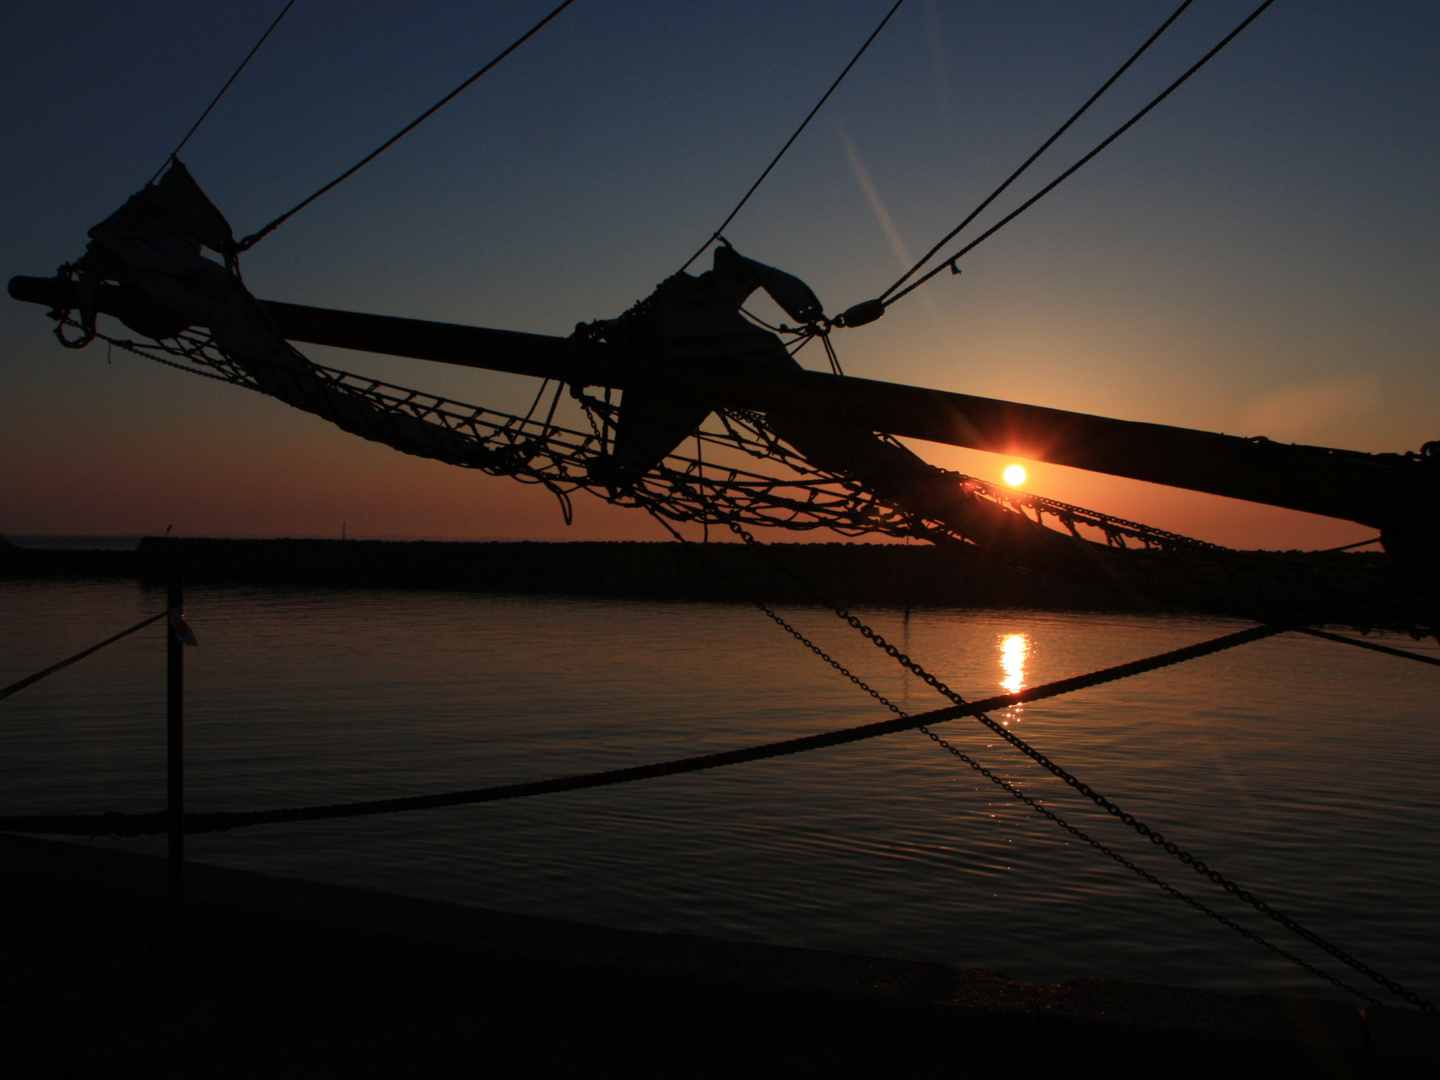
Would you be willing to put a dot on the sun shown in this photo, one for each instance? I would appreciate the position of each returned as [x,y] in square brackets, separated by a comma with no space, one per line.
[1014,475]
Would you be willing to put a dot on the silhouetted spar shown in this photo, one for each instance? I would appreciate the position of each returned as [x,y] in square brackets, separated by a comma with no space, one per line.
[1391,492]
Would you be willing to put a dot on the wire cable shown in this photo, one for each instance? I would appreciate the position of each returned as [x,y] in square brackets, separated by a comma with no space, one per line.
[1130,820]
[1030,801]
[1043,147]
[803,124]
[950,262]
[216,99]
[121,824]
[1372,646]
[255,237]
[29,680]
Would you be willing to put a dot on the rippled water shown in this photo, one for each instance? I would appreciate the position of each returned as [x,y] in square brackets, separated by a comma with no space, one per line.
[1306,770]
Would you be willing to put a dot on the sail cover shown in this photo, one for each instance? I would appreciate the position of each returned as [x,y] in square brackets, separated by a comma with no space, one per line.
[153,246]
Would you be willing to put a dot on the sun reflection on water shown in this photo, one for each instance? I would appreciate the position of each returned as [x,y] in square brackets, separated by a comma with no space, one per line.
[1014,651]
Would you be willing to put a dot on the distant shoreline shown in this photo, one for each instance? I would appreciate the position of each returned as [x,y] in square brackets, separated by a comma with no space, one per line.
[883,574]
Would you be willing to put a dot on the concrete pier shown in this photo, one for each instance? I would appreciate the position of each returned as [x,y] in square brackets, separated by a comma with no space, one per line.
[294,979]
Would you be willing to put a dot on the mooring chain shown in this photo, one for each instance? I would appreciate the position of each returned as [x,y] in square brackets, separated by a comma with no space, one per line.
[1028,800]
[1140,871]
[1041,759]
[132,347]
[1040,808]
[1154,836]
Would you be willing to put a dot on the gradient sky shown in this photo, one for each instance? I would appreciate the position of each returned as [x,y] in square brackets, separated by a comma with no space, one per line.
[1261,255]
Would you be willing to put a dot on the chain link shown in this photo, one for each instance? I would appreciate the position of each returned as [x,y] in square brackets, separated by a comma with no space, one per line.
[1045,811]
[1154,836]
[808,506]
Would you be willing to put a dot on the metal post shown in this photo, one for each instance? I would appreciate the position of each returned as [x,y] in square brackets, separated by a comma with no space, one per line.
[175,772]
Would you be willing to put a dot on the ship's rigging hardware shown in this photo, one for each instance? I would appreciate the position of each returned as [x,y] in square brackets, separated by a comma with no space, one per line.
[896,292]
[1050,815]
[847,473]
[787,448]
[122,824]
[792,494]
[774,448]
[680,489]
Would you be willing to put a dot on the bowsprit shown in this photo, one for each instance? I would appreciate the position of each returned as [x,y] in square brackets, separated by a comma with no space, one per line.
[688,406]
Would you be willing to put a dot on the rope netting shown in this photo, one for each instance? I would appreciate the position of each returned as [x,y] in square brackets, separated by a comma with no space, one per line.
[534,450]
[745,476]
[736,470]
[722,486]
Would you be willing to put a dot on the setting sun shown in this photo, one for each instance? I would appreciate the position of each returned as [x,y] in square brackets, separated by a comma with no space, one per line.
[1014,475]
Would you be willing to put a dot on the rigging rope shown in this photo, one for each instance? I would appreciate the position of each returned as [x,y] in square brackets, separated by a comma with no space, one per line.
[1154,836]
[803,124]
[1386,649]
[152,824]
[255,237]
[790,492]
[216,99]
[1031,802]
[950,262]
[1043,147]
[16,687]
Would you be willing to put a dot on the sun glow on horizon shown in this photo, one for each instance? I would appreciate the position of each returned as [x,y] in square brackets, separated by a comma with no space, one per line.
[1014,475]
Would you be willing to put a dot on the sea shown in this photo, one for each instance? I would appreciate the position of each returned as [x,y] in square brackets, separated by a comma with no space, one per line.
[1307,771]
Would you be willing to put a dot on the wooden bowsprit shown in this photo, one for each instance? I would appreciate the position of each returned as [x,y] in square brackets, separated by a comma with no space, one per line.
[790,448]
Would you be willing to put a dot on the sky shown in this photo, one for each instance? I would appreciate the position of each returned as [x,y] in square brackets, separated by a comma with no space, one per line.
[1260,255]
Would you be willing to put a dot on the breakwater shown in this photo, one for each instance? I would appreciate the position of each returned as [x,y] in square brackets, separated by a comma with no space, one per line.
[846,573]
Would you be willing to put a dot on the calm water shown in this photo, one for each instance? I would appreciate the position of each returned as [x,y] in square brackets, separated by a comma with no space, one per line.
[1304,769]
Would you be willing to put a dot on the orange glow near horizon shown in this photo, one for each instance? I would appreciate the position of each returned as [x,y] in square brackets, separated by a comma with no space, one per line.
[1213,518]
[1014,475]
[1253,310]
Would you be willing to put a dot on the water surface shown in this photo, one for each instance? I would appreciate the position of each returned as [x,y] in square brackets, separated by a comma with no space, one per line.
[1304,769]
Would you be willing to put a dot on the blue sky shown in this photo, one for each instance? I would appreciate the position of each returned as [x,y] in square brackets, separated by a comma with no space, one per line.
[1260,255]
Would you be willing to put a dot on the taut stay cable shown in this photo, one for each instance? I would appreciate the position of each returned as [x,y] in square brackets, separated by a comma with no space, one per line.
[1043,147]
[803,124]
[216,99]
[260,234]
[950,262]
